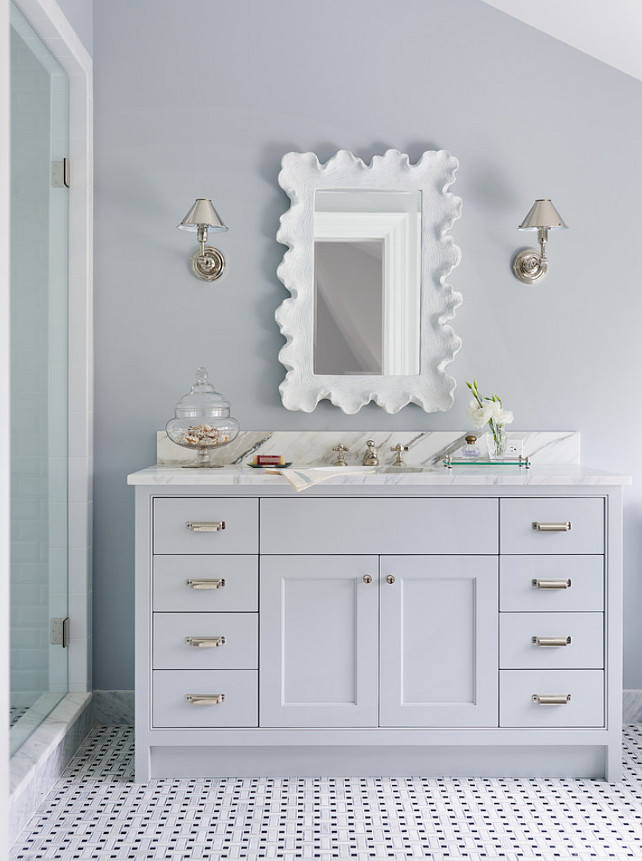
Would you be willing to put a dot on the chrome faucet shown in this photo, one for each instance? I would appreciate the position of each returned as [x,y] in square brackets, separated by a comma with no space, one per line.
[370,457]
[340,449]
[399,448]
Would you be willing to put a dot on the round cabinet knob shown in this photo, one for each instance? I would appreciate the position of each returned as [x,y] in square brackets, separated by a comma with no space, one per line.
[367,578]
[390,579]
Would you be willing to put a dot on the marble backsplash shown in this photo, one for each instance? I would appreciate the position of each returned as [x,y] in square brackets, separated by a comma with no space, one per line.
[314,448]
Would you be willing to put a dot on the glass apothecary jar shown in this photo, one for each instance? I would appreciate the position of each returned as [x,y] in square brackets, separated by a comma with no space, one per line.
[202,422]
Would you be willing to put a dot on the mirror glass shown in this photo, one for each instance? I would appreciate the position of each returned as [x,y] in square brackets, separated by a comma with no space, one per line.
[367,247]
[366,267]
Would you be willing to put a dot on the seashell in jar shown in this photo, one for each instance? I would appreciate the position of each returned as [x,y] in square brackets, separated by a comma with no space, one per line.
[202,435]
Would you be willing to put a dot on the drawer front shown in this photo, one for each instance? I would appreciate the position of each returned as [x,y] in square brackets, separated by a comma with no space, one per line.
[206,583]
[551,583]
[172,534]
[584,709]
[364,526]
[551,649]
[170,708]
[518,534]
[237,650]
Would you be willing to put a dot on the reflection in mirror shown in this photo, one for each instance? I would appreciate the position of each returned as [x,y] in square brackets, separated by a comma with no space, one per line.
[366,267]
[367,248]
[348,280]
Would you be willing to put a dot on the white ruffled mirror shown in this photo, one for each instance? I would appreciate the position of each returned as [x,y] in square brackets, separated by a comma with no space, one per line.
[367,262]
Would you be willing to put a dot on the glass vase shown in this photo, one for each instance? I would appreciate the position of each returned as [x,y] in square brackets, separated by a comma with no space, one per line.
[497,444]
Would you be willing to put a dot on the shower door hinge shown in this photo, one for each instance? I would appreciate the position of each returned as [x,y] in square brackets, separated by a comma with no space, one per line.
[59,632]
[60,173]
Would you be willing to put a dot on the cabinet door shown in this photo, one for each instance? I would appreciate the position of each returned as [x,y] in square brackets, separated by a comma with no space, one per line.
[439,663]
[318,654]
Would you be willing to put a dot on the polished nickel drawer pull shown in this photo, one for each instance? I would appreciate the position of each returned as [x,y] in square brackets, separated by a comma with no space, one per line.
[205,642]
[205,699]
[552,584]
[552,527]
[551,699]
[551,641]
[205,526]
[206,584]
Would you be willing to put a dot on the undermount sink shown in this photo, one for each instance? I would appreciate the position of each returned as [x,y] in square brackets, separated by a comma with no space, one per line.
[405,468]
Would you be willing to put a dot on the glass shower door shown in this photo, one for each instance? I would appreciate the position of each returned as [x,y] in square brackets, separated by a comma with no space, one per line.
[39,288]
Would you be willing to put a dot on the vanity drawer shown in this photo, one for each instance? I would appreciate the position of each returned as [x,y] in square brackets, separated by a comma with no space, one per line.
[520,535]
[220,583]
[173,535]
[365,526]
[170,707]
[552,649]
[237,651]
[550,583]
[584,709]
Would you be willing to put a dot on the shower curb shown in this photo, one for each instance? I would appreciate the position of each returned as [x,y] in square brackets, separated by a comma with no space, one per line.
[40,761]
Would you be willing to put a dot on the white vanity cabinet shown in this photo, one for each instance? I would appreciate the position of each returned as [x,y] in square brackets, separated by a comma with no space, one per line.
[440,625]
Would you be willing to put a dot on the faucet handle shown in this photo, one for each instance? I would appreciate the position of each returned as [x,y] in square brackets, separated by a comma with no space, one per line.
[370,457]
[341,449]
[399,448]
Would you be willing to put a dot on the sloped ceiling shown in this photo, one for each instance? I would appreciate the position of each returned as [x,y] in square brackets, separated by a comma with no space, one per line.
[609,31]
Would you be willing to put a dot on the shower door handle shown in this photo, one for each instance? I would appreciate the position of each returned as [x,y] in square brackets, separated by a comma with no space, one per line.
[59,632]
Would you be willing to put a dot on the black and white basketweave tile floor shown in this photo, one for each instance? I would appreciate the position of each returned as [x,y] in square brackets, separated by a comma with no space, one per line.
[15,713]
[96,812]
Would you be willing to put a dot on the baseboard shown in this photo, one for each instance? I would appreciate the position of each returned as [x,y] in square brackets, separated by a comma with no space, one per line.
[40,761]
[114,708]
[632,707]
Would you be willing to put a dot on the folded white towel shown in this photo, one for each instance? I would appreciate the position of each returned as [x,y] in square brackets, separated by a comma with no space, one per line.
[300,479]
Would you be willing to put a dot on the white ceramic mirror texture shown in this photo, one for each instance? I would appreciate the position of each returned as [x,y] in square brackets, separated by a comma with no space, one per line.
[367,262]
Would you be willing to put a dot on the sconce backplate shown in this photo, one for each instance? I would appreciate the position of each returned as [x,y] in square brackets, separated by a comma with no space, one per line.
[208,266]
[529,266]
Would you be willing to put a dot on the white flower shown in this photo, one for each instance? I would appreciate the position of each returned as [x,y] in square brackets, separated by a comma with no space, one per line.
[490,411]
[497,414]
[479,416]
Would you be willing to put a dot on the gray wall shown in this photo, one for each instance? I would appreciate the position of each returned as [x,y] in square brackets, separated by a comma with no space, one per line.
[207,103]
[80,14]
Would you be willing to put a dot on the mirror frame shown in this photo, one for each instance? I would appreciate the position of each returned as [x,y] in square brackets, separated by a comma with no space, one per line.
[301,176]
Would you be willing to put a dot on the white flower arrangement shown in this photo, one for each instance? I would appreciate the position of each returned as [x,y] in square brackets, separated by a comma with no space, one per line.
[488,410]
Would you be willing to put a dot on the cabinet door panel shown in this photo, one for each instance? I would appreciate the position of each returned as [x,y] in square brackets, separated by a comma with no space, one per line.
[318,641]
[439,641]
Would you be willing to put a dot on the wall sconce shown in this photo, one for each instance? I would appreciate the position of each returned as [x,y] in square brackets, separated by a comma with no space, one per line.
[207,263]
[530,265]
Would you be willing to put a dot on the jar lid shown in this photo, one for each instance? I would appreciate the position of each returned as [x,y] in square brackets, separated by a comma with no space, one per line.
[471,439]
[202,401]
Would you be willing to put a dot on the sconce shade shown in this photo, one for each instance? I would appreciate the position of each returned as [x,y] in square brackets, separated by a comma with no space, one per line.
[202,214]
[542,214]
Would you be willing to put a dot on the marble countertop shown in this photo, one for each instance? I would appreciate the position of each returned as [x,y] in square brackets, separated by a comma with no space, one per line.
[468,475]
